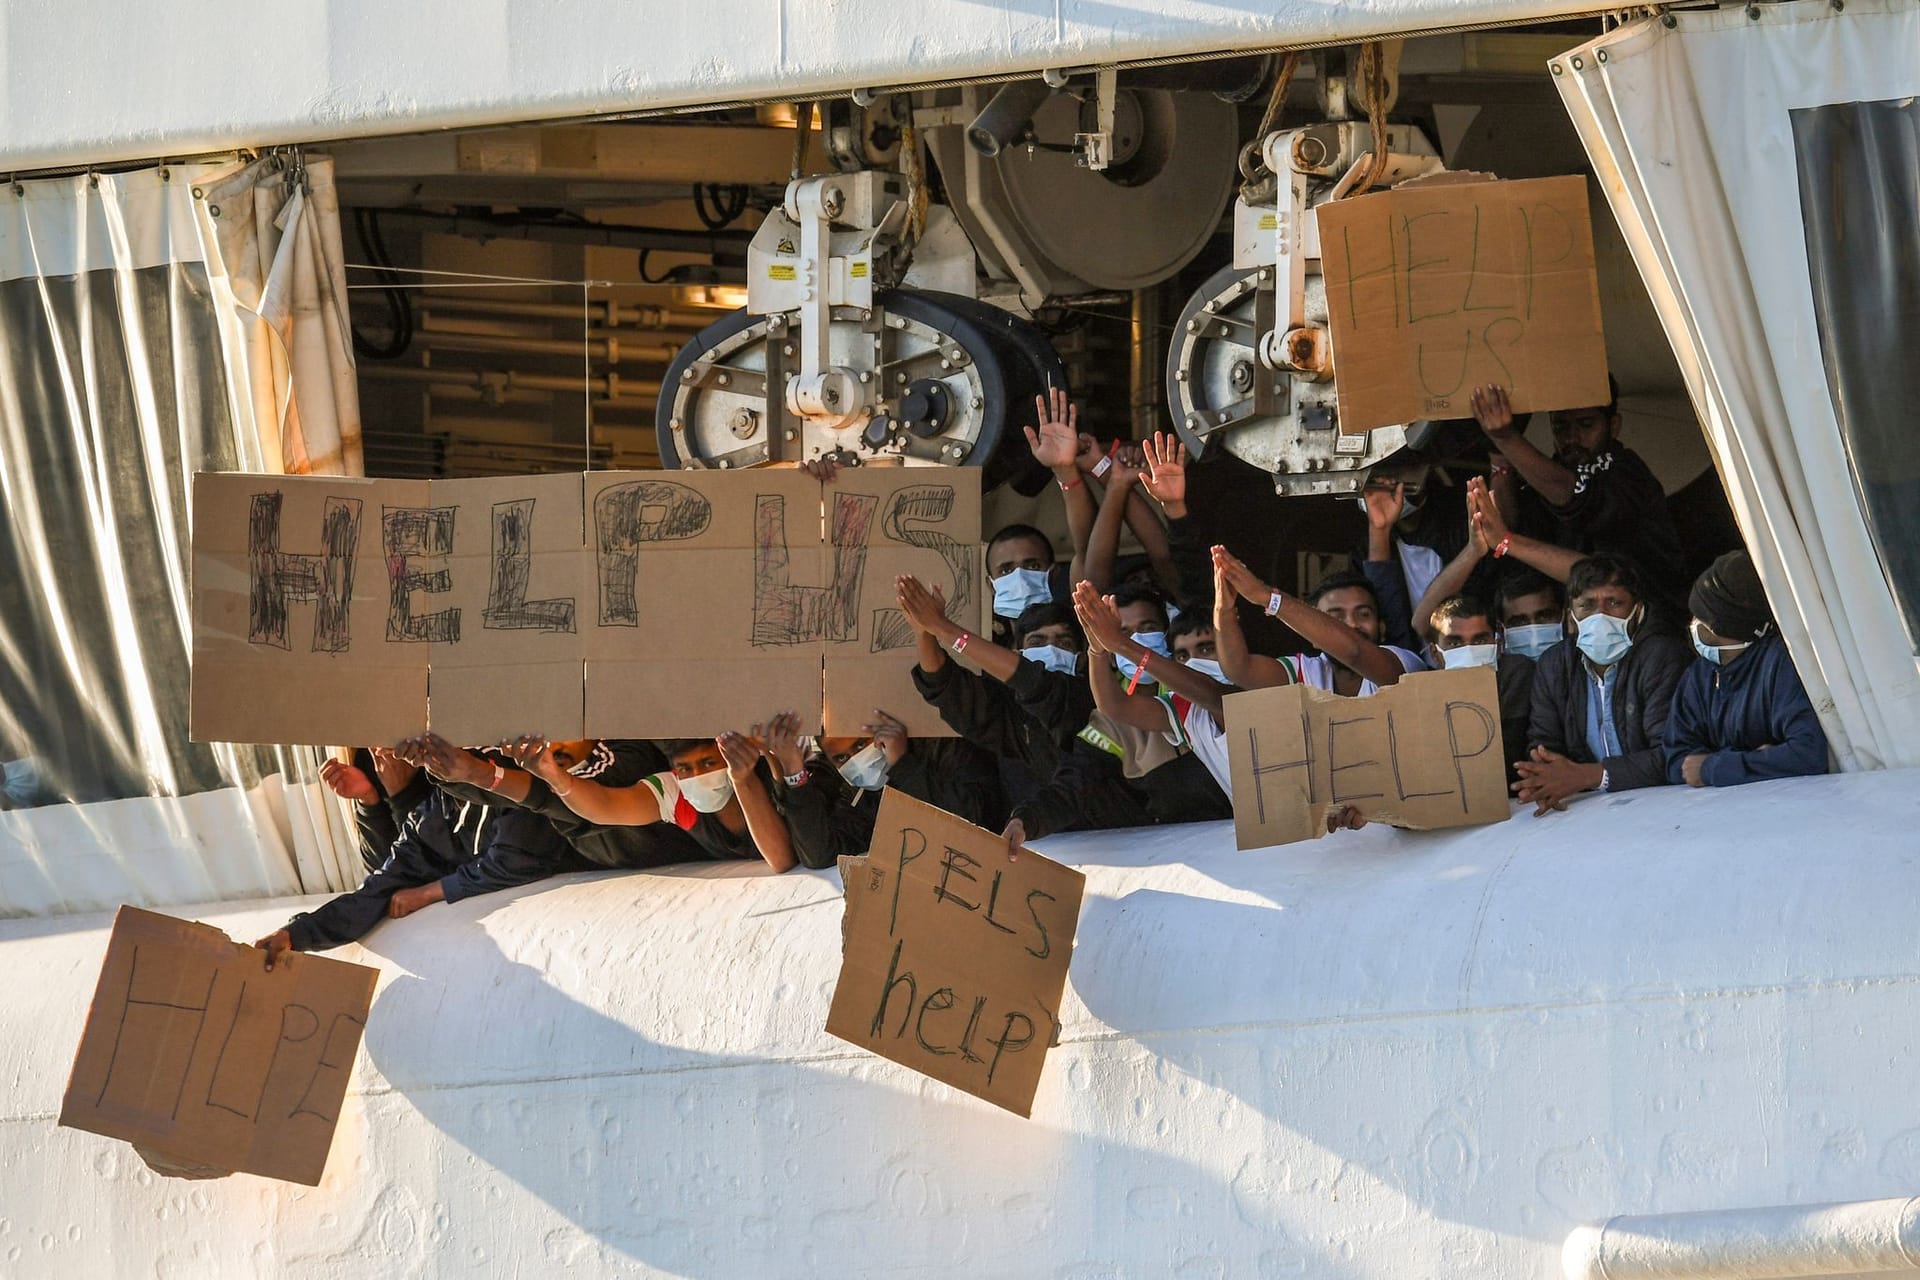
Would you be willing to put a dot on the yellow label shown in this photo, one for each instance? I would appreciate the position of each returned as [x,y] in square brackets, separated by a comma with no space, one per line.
[858,271]
[780,271]
[1269,222]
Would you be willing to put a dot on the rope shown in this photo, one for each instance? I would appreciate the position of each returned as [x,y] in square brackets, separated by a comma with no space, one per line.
[1373,72]
[914,169]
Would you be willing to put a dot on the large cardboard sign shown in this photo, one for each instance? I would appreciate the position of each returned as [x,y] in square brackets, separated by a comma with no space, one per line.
[955,954]
[1424,753]
[194,1052]
[1434,289]
[612,604]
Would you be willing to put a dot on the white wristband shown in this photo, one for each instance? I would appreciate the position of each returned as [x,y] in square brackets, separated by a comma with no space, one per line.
[499,776]
[1274,602]
[1103,466]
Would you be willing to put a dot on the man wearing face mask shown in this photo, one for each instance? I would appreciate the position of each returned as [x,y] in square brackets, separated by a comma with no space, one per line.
[1593,495]
[1601,697]
[1021,567]
[829,795]
[715,791]
[1532,613]
[1741,713]
[1465,636]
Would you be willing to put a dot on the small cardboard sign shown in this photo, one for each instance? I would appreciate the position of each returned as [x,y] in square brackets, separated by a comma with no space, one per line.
[955,954]
[1423,753]
[1434,289]
[624,604]
[194,1051]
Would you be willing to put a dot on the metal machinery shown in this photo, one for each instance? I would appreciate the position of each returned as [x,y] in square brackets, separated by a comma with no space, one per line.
[868,333]
[1251,365]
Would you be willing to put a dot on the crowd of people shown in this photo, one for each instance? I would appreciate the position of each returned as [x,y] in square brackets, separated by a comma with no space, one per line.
[1097,699]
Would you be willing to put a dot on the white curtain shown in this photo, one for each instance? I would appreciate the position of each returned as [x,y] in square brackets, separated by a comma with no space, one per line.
[1706,130]
[153,323]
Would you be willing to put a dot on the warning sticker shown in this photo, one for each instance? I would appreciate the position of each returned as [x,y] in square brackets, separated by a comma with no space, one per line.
[1269,222]
[780,271]
[858,271]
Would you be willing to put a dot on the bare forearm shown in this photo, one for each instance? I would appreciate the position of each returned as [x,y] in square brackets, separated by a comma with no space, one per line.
[1556,562]
[1104,547]
[1078,499]
[1543,475]
[931,656]
[764,824]
[1448,582]
[1152,536]
[1141,711]
[634,806]
[1341,642]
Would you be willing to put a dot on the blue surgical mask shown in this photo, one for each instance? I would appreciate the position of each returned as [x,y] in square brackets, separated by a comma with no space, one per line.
[1018,590]
[1053,658]
[1209,668]
[1716,654]
[866,768]
[1533,639]
[1152,641]
[1604,638]
[1463,656]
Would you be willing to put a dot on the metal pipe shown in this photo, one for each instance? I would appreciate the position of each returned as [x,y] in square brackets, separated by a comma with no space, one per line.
[1005,117]
[728,246]
[1146,402]
[1860,1237]
[610,349]
[496,381]
[636,317]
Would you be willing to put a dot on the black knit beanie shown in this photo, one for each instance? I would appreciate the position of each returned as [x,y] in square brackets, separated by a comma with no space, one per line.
[1728,597]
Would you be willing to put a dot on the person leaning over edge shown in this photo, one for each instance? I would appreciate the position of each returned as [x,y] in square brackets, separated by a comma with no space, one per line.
[1601,696]
[1741,713]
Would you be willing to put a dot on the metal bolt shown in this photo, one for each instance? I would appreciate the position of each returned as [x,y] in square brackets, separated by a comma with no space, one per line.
[977,402]
[1222,417]
[1577,64]
[1193,326]
[934,423]
[1181,376]
[791,434]
[1557,69]
[1600,55]
[830,397]
[865,377]
[677,425]
[725,379]
[686,375]
[899,377]
[945,365]
[723,464]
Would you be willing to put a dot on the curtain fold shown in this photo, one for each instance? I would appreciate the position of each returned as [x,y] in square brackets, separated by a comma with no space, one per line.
[134,352]
[1689,121]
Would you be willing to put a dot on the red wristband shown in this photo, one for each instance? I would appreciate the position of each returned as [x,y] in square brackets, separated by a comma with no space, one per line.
[1065,486]
[960,641]
[1505,545]
[1138,671]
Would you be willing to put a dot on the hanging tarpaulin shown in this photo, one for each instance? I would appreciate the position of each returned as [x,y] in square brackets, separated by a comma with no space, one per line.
[1761,162]
[125,366]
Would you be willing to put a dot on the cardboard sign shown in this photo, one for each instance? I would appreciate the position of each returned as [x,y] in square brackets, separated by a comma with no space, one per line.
[955,956]
[1435,289]
[1424,753]
[613,604]
[193,1051]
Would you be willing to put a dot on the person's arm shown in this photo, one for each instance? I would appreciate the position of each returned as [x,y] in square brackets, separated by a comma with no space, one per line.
[1685,744]
[1239,664]
[1658,664]
[1382,566]
[1487,524]
[634,806]
[1799,746]
[1056,445]
[1101,621]
[1452,578]
[1166,483]
[926,609]
[1332,637]
[769,833]
[464,775]
[1543,475]
[520,849]
[1104,547]
[1152,537]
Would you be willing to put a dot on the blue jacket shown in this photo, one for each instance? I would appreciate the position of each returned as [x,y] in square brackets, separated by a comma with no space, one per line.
[1751,717]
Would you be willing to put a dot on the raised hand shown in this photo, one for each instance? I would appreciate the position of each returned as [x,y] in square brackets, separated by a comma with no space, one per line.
[1056,442]
[532,752]
[1129,467]
[782,737]
[740,752]
[1493,411]
[348,782]
[1385,504]
[925,607]
[1238,578]
[278,943]
[1166,480]
[443,760]
[1099,616]
[889,734]
[408,901]
[1488,526]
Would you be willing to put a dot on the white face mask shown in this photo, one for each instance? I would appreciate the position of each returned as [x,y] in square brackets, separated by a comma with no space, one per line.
[1469,655]
[1716,654]
[1019,590]
[708,792]
[866,768]
[1533,639]
[1209,668]
[1053,658]
[1152,642]
[1604,638]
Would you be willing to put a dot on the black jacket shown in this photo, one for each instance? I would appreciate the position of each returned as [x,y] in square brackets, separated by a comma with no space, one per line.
[1642,698]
